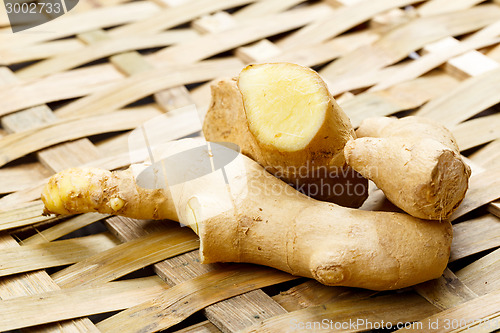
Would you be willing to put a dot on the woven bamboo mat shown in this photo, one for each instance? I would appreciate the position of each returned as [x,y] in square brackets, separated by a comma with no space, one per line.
[70,91]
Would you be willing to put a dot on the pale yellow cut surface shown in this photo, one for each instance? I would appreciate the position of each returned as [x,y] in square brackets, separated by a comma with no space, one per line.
[285,104]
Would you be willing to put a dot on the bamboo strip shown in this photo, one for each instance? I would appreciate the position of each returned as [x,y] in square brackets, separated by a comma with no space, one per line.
[63,228]
[68,25]
[445,292]
[220,22]
[21,177]
[482,275]
[64,252]
[398,43]
[116,151]
[77,302]
[346,83]
[265,8]
[217,22]
[180,301]
[127,229]
[469,98]
[484,307]
[18,217]
[38,51]
[257,52]
[475,235]
[394,98]
[34,283]
[339,21]
[472,63]
[201,97]
[247,32]
[68,154]
[24,284]
[20,144]
[339,316]
[173,98]
[430,61]
[76,83]
[180,123]
[488,157]
[54,155]
[116,144]
[244,310]
[435,7]
[494,53]
[21,198]
[475,168]
[468,136]
[146,83]
[4,19]
[313,293]
[55,158]
[483,188]
[404,96]
[203,327]
[127,257]
[393,17]
[28,119]
[317,54]
[68,60]
[103,3]
[494,208]
[131,63]
[176,97]
[252,307]
[122,160]
[339,3]
[174,16]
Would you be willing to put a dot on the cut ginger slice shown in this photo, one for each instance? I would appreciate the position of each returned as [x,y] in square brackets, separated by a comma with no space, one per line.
[285,104]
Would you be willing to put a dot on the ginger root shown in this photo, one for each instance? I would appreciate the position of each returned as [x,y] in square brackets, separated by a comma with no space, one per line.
[414,161]
[283,116]
[264,221]
[84,190]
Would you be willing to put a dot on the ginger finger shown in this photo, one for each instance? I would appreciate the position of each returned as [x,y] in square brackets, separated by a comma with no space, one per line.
[414,161]
[84,190]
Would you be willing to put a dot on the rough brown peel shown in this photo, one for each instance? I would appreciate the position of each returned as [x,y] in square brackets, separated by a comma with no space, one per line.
[283,116]
[264,221]
[415,161]
[85,190]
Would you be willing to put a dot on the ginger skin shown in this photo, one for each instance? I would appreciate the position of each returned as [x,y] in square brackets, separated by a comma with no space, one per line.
[283,116]
[414,161]
[264,221]
[84,190]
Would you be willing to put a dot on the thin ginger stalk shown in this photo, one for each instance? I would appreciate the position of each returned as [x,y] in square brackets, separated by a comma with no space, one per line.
[283,116]
[257,218]
[414,161]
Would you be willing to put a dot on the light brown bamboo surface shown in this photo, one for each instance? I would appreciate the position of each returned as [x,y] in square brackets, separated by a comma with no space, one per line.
[72,89]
